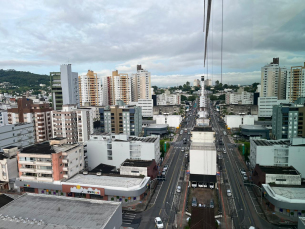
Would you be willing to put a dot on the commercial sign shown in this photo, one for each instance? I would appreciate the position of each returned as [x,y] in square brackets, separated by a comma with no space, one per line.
[79,189]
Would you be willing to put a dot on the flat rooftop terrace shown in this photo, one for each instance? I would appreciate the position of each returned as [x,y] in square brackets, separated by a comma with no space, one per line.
[57,212]
[105,181]
[279,170]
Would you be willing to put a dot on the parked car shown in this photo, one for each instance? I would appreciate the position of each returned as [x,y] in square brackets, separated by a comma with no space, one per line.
[200,184]
[194,184]
[166,167]
[163,173]
[242,172]
[229,192]
[212,203]
[245,177]
[224,151]
[194,202]
[205,185]
[211,185]
[159,222]
[179,189]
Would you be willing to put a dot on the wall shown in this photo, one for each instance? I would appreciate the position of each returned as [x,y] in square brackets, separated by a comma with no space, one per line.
[171,120]
[206,137]
[133,171]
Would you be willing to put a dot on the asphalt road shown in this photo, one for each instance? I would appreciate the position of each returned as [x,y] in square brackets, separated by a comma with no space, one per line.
[168,199]
[241,208]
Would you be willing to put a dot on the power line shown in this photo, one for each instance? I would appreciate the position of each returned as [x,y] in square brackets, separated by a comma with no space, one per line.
[221,39]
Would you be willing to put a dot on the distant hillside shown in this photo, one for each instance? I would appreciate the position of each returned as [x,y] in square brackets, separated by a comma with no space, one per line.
[21,79]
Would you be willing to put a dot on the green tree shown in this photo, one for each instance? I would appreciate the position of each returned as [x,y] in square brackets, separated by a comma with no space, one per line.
[222,97]
[213,97]
[183,98]
[217,82]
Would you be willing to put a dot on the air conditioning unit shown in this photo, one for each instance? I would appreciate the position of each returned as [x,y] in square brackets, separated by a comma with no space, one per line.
[85,172]
[99,174]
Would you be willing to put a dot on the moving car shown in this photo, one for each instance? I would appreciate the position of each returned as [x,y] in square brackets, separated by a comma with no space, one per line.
[179,189]
[194,202]
[229,192]
[158,222]
[224,151]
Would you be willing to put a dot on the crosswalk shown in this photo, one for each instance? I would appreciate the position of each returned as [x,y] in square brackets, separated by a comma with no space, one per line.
[129,218]
[179,147]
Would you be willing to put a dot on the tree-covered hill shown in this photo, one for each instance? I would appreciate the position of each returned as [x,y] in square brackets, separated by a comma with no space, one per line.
[23,79]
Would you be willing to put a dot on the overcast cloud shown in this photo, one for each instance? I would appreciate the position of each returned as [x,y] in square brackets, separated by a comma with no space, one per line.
[164,36]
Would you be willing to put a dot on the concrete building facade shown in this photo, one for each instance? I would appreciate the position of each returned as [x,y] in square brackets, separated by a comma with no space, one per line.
[8,167]
[115,149]
[235,121]
[265,105]
[239,98]
[20,135]
[121,120]
[90,89]
[146,105]
[278,153]
[140,85]
[170,120]
[295,83]
[3,118]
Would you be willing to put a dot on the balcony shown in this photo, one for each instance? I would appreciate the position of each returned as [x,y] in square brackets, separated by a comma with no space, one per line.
[27,162]
[65,161]
[23,177]
[27,170]
[44,163]
[45,179]
[45,171]
[65,169]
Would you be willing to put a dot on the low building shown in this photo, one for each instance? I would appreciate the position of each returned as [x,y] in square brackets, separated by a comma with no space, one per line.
[20,135]
[146,105]
[202,134]
[147,168]
[116,188]
[146,123]
[239,98]
[49,162]
[42,211]
[8,167]
[235,121]
[115,149]
[238,109]
[170,120]
[202,122]
[286,199]
[267,124]
[276,174]
[156,129]
[254,131]
[167,109]
[278,153]
[203,163]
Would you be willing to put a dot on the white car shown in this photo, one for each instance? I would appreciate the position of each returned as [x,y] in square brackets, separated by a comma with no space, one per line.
[224,151]
[200,184]
[179,189]
[229,192]
[158,222]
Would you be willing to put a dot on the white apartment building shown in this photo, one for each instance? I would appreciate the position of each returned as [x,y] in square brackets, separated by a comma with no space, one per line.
[50,161]
[208,82]
[278,153]
[273,80]
[74,124]
[8,167]
[3,118]
[20,135]
[170,120]
[69,84]
[115,149]
[90,89]
[196,83]
[140,85]
[239,98]
[295,83]
[168,99]
[265,105]
[234,121]
[146,105]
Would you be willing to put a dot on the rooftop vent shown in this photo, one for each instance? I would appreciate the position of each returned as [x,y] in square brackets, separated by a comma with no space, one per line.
[99,174]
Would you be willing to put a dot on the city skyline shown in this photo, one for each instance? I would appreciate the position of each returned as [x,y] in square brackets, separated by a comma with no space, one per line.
[166,38]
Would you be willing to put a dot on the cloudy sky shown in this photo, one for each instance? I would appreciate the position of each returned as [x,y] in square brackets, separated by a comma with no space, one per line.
[164,36]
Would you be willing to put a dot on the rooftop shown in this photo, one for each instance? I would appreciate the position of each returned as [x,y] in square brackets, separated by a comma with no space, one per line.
[57,212]
[137,163]
[253,127]
[103,168]
[4,199]
[203,129]
[10,147]
[203,218]
[146,139]
[279,170]
[45,148]
[2,156]
[202,146]
[287,193]
[263,142]
[105,181]
[157,126]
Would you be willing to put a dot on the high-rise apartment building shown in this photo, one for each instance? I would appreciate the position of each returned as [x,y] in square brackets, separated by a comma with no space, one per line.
[140,85]
[196,83]
[273,80]
[90,89]
[73,124]
[64,87]
[121,120]
[288,120]
[117,87]
[3,117]
[27,112]
[296,83]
